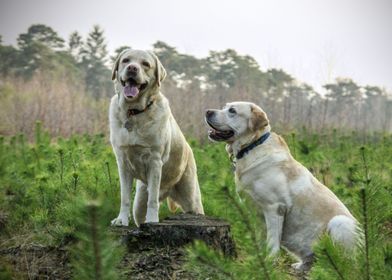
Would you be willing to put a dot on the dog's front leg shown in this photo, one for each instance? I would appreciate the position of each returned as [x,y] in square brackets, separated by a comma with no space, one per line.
[154,182]
[274,217]
[125,184]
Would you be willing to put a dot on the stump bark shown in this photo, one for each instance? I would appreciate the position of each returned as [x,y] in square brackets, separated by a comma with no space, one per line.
[179,230]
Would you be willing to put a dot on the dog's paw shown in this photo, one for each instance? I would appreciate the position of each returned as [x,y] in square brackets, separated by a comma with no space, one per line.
[302,267]
[121,220]
[152,218]
[297,266]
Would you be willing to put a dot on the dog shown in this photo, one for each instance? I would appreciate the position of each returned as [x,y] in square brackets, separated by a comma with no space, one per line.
[297,208]
[148,143]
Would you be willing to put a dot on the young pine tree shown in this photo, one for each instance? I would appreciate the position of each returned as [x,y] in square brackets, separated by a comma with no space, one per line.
[96,254]
[252,261]
[373,257]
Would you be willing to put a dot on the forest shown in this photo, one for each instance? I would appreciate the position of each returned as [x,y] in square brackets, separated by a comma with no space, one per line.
[44,68]
[59,186]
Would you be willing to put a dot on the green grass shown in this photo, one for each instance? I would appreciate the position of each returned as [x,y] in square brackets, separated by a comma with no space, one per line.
[40,182]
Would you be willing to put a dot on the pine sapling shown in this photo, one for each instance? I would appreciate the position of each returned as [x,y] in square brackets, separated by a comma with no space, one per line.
[61,156]
[96,255]
[364,207]
[253,257]
[251,229]
[333,264]
[109,174]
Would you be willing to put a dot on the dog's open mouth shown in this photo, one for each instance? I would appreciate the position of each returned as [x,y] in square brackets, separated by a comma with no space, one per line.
[132,88]
[219,135]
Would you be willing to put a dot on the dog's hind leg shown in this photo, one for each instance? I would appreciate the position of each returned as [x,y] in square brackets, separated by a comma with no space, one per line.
[344,230]
[140,203]
[186,193]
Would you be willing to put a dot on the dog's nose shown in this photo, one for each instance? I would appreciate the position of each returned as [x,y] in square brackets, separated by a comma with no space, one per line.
[133,69]
[209,113]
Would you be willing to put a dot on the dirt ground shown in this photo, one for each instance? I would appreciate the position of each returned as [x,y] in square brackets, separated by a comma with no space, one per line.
[153,251]
[36,262]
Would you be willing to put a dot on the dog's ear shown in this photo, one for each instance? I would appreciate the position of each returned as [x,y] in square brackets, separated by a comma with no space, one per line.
[160,72]
[258,119]
[116,63]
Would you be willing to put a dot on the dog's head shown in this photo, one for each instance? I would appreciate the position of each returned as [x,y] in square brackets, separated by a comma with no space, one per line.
[235,120]
[136,72]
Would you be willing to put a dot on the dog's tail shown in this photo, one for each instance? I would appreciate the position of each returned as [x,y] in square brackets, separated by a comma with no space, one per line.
[172,205]
[344,230]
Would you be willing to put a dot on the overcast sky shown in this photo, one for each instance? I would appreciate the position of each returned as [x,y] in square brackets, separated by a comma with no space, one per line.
[313,40]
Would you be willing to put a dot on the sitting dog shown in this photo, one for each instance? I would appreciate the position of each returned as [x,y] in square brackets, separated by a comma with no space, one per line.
[148,144]
[297,208]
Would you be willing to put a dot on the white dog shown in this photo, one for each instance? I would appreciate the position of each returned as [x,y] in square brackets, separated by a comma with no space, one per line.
[297,208]
[148,144]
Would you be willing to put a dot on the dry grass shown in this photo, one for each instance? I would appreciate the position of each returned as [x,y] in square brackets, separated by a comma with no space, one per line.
[60,104]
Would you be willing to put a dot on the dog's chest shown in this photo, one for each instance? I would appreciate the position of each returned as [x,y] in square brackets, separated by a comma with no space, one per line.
[138,160]
[250,168]
[133,133]
[261,178]
[141,144]
[130,137]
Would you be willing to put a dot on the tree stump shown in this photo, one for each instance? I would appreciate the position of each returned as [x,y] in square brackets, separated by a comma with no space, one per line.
[179,230]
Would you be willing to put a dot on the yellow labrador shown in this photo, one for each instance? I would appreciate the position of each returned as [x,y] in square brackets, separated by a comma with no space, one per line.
[297,208]
[148,144]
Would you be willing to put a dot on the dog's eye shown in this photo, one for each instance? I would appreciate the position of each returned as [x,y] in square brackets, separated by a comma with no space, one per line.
[125,60]
[146,64]
[232,110]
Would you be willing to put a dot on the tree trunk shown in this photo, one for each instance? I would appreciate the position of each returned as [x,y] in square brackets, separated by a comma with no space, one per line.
[180,230]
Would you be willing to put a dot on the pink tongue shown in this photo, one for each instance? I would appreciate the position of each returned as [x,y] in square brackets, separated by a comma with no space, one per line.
[131,91]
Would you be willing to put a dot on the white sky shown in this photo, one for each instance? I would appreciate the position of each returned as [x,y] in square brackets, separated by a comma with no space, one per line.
[313,40]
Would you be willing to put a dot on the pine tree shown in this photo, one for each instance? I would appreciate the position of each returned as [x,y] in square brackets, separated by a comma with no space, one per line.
[37,49]
[254,263]
[8,57]
[94,59]
[75,44]
[372,258]
[42,34]
[96,254]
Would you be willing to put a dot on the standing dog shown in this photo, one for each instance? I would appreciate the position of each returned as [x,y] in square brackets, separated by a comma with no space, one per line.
[297,208]
[148,144]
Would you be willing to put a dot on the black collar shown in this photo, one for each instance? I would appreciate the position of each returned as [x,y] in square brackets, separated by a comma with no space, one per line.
[133,112]
[253,145]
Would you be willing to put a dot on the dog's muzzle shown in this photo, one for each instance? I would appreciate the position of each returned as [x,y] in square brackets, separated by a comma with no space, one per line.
[215,133]
[132,88]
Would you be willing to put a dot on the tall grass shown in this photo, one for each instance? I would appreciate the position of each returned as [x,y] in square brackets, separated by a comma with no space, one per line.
[58,102]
